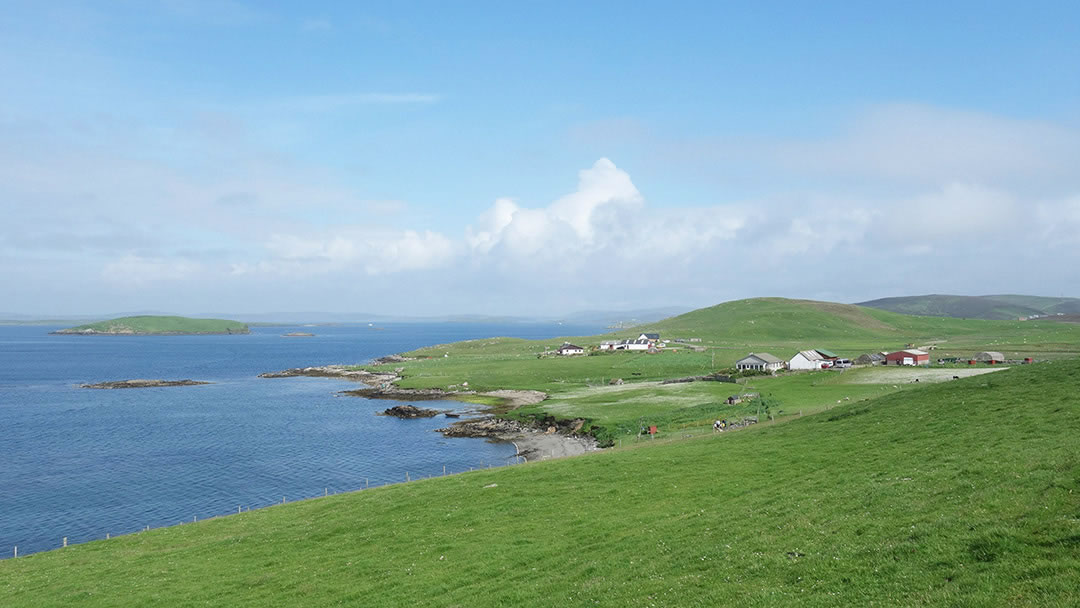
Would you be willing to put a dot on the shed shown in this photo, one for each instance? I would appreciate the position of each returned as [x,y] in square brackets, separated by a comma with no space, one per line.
[806,359]
[760,361]
[910,356]
[827,354]
[870,359]
[989,357]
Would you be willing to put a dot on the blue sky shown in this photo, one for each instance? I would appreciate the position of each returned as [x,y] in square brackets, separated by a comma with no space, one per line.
[528,158]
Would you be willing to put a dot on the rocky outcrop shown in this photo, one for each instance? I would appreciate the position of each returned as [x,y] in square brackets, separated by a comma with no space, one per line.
[409,411]
[140,383]
[336,371]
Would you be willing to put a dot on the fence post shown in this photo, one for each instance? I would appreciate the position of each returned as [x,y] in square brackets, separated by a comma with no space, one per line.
[237,509]
[65,541]
[406,476]
[282,500]
[444,469]
[106,536]
[194,518]
[16,551]
[325,492]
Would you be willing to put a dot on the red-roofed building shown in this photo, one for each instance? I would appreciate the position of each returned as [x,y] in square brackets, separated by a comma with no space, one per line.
[908,357]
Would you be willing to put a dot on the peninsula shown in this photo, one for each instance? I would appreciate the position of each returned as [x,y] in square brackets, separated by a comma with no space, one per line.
[157,326]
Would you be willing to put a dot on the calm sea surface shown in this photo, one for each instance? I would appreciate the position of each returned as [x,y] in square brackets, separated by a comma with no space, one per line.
[84,463]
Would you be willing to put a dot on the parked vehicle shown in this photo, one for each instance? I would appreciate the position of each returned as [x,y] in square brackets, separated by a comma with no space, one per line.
[842,363]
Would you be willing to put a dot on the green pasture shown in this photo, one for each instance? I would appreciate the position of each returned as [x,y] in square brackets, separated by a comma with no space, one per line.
[963,493]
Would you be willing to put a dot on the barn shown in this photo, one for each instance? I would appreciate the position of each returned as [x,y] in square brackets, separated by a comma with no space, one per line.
[759,361]
[990,357]
[910,356]
[806,359]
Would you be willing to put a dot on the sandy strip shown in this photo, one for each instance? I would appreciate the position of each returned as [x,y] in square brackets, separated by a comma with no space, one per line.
[544,446]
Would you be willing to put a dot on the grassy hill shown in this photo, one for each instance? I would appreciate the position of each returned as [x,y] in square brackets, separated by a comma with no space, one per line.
[162,325]
[965,493]
[999,307]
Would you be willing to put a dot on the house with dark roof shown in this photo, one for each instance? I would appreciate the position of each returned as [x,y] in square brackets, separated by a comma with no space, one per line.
[760,362]
[649,337]
[570,349]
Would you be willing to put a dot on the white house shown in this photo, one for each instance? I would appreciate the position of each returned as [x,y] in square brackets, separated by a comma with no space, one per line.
[570,349]
[649,337]
[760,361]
[609,344]
[806,359]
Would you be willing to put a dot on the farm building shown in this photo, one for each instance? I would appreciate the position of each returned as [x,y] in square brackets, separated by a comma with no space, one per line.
[759,361]
[570,349]
[908,357]
[608,344]
[828,355]
[870,359]
[989,357]
[806,359]
[649,337]
[632,345]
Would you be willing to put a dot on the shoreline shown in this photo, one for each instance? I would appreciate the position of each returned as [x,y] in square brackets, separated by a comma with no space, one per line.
[532,443]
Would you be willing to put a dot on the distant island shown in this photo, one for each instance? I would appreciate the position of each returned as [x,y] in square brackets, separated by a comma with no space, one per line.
[140,383]
[157,326]
[298,334]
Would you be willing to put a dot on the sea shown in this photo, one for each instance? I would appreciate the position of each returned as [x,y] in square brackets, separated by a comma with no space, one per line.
[82,464]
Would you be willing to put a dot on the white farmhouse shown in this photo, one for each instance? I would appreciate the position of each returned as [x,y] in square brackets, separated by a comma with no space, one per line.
[760,362]
[570,349]
[806,359]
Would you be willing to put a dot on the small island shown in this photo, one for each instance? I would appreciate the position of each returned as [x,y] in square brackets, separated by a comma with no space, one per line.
[140,383]
[149,325]
[298,334]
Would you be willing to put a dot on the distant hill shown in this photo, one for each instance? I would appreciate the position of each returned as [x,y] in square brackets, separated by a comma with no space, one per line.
[994,307]
[157,325]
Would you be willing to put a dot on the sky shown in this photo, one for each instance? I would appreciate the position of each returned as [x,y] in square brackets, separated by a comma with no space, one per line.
[430,158]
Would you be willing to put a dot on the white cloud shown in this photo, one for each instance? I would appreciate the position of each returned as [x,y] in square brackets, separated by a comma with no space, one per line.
[134,270]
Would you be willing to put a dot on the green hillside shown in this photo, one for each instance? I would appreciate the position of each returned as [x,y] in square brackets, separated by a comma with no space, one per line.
[965,493]
[999,307]
[167,325]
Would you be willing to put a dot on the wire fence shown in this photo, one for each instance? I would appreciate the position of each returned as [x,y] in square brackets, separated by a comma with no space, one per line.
[240,508]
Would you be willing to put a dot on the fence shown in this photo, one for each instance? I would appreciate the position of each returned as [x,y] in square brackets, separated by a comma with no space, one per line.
[516,460]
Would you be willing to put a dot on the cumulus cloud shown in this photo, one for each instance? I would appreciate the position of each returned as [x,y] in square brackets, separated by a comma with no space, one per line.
[575,221]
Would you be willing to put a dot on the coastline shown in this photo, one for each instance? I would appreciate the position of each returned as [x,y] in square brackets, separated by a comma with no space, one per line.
[532,443]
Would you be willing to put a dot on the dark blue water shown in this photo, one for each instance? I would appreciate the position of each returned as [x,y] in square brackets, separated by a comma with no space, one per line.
[84,463]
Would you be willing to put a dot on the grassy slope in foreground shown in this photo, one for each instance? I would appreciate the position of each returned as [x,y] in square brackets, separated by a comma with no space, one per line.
[965,493]
[160,325]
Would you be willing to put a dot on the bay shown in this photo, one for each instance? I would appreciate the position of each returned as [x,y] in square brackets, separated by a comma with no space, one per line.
[82,463]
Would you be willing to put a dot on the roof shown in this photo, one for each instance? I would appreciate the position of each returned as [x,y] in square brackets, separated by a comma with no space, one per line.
[652,336]
[990,354]
[911,351]
[827,353]
[766,357]
[809,355]
[568,346]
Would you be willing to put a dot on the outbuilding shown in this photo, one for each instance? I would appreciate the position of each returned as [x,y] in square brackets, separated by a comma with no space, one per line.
[990,357]
[806,360]
[910,356]
[760,362]
[870,359]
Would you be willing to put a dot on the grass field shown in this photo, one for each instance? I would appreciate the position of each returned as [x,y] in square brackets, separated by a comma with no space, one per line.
[579,386]
[963,493]
[162,325]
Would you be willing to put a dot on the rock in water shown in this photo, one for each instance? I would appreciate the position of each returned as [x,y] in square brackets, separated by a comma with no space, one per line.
[409,411]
